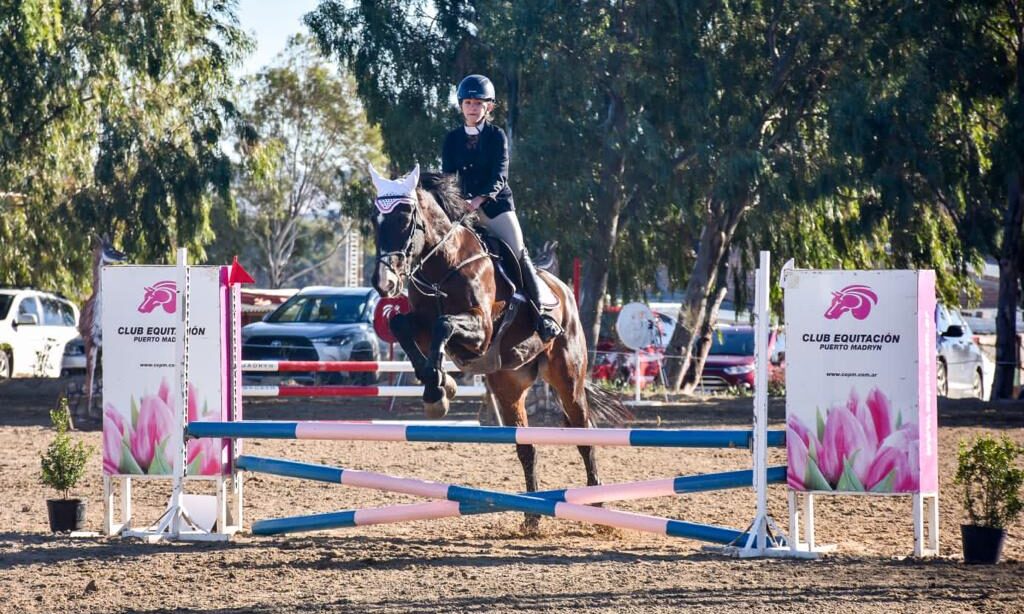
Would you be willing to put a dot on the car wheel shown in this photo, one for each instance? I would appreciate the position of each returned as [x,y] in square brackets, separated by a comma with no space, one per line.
[5,364]
[978,386]
[364,379]
[942,379]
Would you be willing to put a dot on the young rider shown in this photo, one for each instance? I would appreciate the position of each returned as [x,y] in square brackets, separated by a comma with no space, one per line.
[478,153]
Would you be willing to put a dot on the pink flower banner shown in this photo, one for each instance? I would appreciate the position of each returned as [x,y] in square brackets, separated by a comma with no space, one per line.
[140,318]
[860,381]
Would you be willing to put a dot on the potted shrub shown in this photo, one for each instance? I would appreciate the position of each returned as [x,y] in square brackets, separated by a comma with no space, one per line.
[991,480]
[63,465]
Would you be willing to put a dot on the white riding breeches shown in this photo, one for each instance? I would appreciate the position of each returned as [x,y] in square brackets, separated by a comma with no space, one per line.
[506,227]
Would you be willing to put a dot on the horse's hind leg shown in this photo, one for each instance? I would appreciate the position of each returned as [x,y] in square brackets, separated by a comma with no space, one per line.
[566,374]
[510,389]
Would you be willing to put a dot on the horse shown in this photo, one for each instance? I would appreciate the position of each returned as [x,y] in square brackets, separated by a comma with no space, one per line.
[463,306]
[103,253]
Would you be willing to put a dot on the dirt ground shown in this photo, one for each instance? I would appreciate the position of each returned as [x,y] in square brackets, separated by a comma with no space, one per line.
[485,563]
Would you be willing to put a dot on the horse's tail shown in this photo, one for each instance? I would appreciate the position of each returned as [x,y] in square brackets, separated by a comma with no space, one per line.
[606,407]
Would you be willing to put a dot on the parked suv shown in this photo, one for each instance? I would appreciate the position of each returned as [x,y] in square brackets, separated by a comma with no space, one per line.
[34,328]
[318,323]
[960,368]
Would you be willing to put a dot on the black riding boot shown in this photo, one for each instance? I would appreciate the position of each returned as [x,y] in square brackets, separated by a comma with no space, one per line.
[547,328]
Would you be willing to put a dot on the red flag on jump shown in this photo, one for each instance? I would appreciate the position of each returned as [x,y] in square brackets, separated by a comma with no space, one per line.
[238,275]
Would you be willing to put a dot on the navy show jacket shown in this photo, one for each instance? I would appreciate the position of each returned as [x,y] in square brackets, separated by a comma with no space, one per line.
[482,170]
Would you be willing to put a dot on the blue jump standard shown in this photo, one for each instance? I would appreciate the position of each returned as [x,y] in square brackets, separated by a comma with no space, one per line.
[677,438]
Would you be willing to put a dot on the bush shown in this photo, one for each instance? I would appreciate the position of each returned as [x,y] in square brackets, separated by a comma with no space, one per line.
[63,463]
[991,481]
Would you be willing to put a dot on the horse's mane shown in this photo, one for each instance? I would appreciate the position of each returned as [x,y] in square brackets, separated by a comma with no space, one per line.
[446,192]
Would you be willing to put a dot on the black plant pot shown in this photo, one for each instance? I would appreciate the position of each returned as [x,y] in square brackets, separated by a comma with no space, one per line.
[65,514]
[982,545]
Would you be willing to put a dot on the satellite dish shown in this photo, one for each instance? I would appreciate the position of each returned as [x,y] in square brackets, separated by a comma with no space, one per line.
[636,326]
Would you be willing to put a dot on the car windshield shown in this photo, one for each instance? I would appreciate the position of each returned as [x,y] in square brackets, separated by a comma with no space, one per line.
[732,342]
[5,304]
[331,309]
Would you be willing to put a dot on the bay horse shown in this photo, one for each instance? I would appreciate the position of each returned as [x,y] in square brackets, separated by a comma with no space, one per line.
[462,306]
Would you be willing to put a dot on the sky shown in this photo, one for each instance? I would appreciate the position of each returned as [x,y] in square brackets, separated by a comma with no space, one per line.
[270,23]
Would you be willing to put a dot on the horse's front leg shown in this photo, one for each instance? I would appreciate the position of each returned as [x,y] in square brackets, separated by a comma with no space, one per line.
[465,329]
[405,327]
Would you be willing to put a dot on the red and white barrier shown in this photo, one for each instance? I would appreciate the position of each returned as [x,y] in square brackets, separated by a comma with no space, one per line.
[350,391]
[336,366]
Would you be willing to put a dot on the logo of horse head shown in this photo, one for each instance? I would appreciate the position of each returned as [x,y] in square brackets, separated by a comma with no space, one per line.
[161,294]
[856,299]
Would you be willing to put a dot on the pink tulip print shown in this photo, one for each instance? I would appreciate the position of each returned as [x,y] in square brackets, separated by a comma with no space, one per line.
[143,442]
[859,446]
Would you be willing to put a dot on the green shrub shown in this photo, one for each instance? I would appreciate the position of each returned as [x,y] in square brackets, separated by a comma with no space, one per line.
[63,463]
[991,480]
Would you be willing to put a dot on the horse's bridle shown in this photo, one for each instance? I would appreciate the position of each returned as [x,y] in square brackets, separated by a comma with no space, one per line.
[386,258]
[407,273]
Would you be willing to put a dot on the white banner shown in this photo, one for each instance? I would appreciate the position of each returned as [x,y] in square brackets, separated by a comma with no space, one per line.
[140,320]
[860,381]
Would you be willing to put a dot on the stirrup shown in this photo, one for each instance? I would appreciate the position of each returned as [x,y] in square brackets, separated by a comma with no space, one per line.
[547,328]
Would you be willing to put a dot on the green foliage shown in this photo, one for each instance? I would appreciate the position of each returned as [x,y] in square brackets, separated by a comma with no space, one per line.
[989,473]
[112,117]
[303,175]
[777,384]
[63,463]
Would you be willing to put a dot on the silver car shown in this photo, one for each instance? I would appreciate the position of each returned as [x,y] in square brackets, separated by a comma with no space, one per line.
[960,369]
[318,324]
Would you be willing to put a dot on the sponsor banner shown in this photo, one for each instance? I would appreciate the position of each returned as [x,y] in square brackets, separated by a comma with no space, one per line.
[860,381]
[140,322]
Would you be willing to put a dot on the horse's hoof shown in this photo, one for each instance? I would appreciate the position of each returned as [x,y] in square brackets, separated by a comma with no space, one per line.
[451,388]
[437,409]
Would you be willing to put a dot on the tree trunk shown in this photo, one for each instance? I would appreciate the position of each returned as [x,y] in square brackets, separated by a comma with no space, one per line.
[715,238]
[704,342]
[1009,274]
[1007,359]
[609,206]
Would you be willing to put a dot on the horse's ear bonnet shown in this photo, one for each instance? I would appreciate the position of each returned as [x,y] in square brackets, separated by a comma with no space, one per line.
[392,193]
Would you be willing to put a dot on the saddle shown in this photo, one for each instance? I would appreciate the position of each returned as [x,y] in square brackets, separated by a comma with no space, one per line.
[506,264]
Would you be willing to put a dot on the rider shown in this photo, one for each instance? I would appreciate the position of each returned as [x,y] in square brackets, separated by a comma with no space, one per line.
[478,153]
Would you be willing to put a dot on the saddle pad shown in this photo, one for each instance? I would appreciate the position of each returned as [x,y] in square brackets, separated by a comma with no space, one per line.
[547,298]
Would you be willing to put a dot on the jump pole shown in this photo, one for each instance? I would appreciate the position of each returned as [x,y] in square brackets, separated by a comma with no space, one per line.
[353,366]
[350,391]
[518,503]
[324,431]
[447,509]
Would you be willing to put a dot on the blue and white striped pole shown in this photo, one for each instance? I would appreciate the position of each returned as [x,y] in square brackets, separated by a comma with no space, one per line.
[678,438]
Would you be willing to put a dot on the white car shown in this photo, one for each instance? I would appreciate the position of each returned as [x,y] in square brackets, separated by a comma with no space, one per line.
[34,328]
[960,370]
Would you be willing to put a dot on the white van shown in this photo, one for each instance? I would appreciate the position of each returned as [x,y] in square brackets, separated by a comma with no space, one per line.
[34,328]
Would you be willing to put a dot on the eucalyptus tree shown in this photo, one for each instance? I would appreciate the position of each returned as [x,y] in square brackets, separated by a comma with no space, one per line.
[565,74]
[111,121]
[305,176]
[748,81]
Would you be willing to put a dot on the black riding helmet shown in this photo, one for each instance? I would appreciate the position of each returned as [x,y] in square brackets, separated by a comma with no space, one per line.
[477,87]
